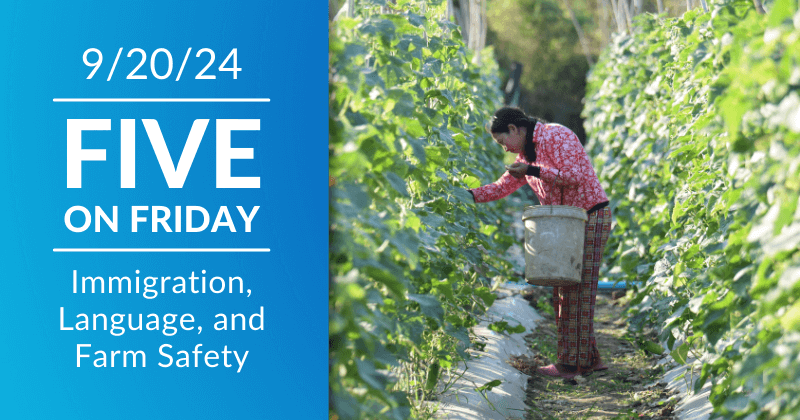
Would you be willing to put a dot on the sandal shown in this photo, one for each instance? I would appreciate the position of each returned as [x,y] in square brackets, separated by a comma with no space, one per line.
[552,370]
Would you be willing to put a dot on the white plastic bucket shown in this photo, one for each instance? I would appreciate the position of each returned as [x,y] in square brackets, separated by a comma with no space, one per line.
[554,238]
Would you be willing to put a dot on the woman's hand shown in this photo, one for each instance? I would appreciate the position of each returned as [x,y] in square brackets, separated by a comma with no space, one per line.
[517,169]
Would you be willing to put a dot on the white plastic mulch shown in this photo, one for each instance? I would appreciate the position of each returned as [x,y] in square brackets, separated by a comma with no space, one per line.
[507,400]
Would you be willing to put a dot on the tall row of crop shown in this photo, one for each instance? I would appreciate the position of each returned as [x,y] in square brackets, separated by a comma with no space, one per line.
[695,128]
[411,255]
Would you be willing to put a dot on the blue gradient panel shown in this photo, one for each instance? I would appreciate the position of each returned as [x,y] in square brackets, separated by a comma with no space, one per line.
[282,52]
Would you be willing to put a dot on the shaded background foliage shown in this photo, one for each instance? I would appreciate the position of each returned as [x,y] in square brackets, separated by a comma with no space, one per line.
[539,34]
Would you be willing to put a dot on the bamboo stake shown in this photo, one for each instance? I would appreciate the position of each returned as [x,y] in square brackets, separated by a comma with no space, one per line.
[463,7]
[474,25]
[484,25]
[450,13]
[424,29]
[628,14]
[614,12]
[601,5]
[581,36]
[759,7]
[660,6]
[615,8]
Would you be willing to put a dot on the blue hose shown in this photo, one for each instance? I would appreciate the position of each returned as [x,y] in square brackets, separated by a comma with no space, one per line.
[609,285]
[617,285]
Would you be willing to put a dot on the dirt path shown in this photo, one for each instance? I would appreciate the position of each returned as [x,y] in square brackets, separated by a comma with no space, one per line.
[621,392]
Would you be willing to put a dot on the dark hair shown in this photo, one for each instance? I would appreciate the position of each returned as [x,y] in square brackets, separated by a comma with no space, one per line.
[508,115]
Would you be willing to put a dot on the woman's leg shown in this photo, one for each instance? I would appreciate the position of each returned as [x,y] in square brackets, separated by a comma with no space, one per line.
[574,305]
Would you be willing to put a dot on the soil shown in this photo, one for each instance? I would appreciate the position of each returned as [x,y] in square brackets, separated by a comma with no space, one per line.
[627,390]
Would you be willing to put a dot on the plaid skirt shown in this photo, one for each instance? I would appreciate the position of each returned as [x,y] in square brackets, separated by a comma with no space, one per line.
[574,305]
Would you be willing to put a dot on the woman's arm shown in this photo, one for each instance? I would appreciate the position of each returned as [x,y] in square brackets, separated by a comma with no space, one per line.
[504,186]
[567,153]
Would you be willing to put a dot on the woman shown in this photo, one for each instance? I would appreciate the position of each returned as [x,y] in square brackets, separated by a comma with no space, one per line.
[553,162]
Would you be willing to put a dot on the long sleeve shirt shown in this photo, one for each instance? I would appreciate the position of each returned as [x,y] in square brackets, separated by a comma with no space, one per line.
[566,175]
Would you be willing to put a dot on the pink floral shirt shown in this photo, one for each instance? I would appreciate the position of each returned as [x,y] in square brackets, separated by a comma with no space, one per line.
[564,169]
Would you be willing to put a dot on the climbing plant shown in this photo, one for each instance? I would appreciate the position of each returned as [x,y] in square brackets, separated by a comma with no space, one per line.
[411,256]
[695,128]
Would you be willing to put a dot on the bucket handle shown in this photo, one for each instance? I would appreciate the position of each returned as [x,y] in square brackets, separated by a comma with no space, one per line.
[562,200]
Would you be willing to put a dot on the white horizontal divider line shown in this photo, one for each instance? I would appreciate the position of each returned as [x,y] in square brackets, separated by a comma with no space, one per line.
[161,100]
[161,250]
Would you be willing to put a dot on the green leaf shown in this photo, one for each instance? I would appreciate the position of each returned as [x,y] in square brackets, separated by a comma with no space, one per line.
[387,279]
[372,78]
[704,374]
[640,296]
[733,108]
[404,106]
[445,289]
[502,326]
[437,155]
[485,294]
[463,195]
[737,402]
[432,220]
[382,355]
[415,19]
[367,372]
[489,385]
[791,319]
[397,183]
[433,376]
[781,11]
[418,150]
[754,363]
[356,195]
[461,141]
[680,354]
[430,306]
[346,406]
[786,213]
[407,243]
[354,50]
[458,333]
[378,27]
[445,135]
[652,347]
[414,128]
